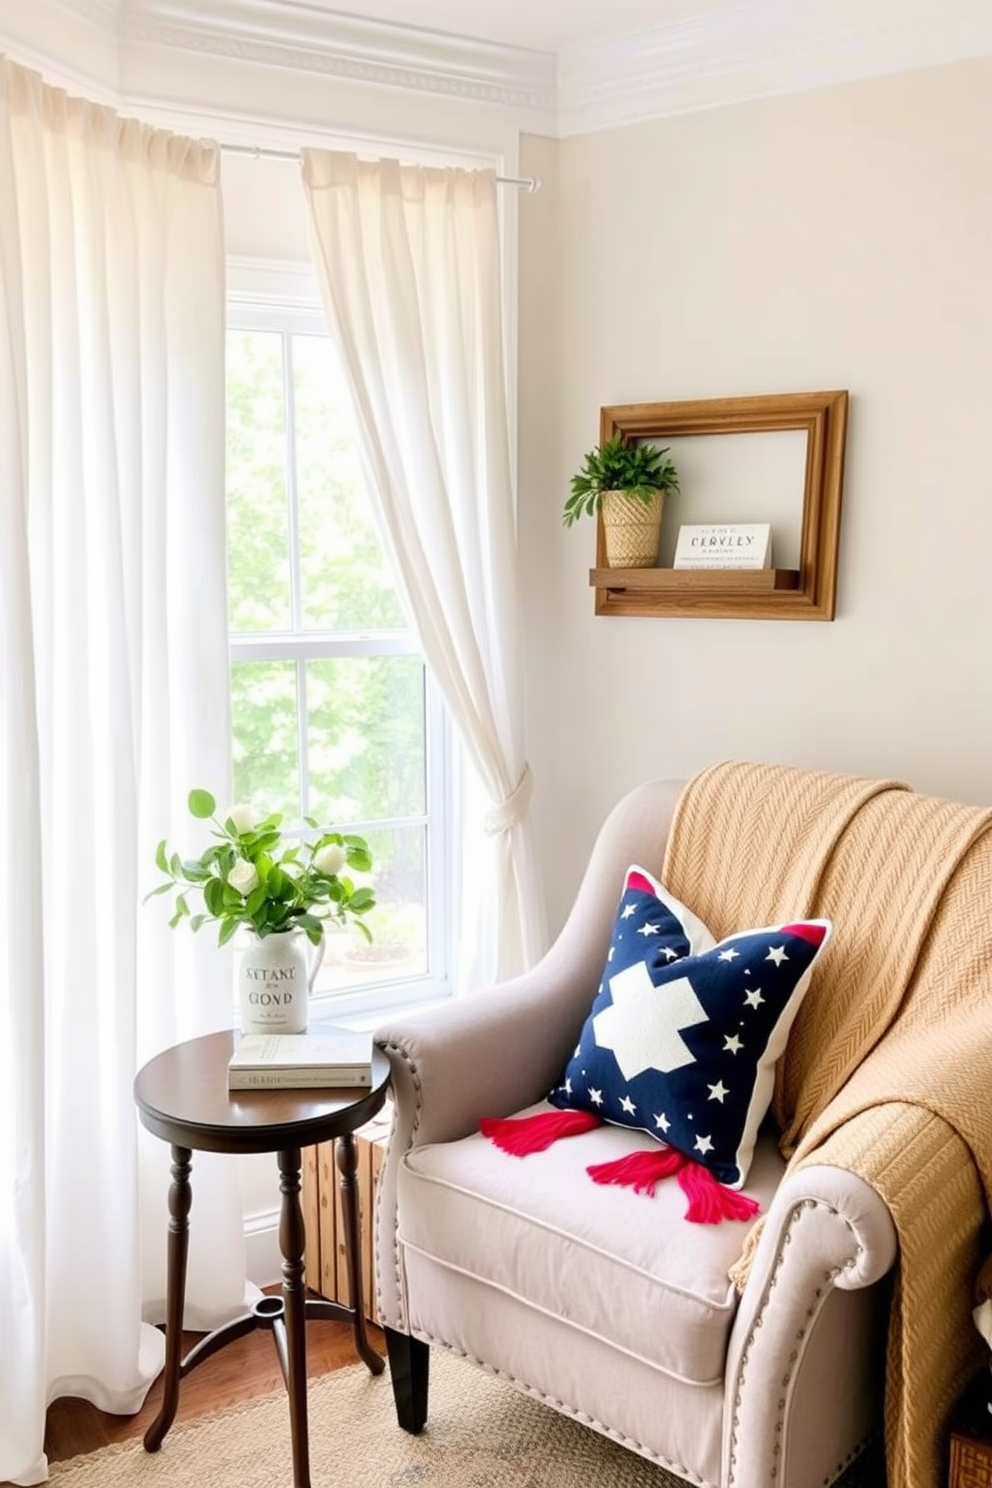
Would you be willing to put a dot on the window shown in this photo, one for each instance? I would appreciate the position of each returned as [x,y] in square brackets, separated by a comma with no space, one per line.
[333,714]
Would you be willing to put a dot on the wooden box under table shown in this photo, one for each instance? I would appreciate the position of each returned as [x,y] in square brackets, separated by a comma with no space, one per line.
[971,1437]
[326,1268]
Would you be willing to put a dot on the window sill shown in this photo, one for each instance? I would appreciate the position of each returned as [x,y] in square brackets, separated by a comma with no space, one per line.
[349,1013]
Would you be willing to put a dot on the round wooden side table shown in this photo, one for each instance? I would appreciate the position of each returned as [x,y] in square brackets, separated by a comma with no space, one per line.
[182,1097]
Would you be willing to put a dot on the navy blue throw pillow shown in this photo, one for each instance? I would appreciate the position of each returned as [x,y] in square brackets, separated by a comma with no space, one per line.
[683,1034]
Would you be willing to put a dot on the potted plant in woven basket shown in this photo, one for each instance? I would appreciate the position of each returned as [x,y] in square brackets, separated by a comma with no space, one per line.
[627,483]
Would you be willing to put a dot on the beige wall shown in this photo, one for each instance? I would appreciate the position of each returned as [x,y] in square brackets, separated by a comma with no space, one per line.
[834,239]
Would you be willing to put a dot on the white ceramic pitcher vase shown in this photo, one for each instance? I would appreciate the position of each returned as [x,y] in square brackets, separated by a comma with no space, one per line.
[275,979]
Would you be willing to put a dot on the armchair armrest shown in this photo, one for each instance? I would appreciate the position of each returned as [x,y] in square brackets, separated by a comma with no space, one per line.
[827,1233]
[487,1054]
[492,1052]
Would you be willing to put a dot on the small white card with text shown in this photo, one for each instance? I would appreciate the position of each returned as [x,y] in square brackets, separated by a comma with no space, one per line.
[724,545]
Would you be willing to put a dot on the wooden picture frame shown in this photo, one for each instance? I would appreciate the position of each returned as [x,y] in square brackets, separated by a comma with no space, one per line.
[806,593]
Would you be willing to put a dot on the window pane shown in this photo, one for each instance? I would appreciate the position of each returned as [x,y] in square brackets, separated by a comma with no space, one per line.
[344,579]
[257,501]
[398,922]
[264,728]
[324,725]
[365,738]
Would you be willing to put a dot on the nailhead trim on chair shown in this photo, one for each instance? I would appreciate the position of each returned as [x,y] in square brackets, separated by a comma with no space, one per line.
[829,1276]
[418,1088]
[565,1409]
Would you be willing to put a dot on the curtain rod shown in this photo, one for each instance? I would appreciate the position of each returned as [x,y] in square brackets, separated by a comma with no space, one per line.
[530,184]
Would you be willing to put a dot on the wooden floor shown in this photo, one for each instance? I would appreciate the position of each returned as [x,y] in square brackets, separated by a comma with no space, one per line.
[238,1371]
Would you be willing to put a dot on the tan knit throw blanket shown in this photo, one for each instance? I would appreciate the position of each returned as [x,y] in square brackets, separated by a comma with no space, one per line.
[888,1070]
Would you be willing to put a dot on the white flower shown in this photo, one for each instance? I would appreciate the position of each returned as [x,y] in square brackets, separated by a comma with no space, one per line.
[330,860]
[242,816]
[243,877]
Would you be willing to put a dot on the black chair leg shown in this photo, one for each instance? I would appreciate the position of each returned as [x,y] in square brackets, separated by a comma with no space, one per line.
[409,1369]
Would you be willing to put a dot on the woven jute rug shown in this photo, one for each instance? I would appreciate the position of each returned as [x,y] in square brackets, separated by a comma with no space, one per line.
[481,1433]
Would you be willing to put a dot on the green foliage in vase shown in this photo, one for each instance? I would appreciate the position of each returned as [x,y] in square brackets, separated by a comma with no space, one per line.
[638,470]
[250,877]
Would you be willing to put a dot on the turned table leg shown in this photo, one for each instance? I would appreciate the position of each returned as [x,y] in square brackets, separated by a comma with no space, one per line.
[292,1242]
[347,1161]
[180,1198]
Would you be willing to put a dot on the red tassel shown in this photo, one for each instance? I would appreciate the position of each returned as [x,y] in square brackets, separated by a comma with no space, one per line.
[711,1201]
[521,1135]
[638,1170]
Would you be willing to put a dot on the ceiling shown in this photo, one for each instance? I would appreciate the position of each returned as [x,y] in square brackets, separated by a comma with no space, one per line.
[557,26]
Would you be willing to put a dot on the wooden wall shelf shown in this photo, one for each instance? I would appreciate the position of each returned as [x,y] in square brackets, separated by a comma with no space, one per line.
[806,593]
[741,594]
[693,580]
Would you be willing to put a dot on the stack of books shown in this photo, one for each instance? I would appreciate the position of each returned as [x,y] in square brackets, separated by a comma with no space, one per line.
[304,1061]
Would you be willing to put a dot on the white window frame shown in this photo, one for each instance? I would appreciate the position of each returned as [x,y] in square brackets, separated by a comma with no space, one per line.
[283,298]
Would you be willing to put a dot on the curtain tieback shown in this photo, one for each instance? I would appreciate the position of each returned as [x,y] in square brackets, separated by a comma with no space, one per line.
[504,817]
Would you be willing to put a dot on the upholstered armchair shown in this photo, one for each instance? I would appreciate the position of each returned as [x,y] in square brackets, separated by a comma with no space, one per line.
[606,1303]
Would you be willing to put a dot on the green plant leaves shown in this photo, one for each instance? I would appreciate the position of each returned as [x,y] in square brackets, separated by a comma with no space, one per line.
[290,892]
[313,927]
[162,889]
[213,896]
[255,900]
[359,856]
[182,910]
[201,804]
[637,469]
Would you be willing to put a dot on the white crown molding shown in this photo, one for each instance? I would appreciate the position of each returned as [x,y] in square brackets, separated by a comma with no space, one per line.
[725,54]
[759,49]
[288,34]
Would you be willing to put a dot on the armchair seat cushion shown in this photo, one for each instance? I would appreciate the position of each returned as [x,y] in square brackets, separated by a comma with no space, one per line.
[624,1268]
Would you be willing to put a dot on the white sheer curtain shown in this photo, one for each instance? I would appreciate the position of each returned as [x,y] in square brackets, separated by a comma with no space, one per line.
[113,685]
[408,261]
